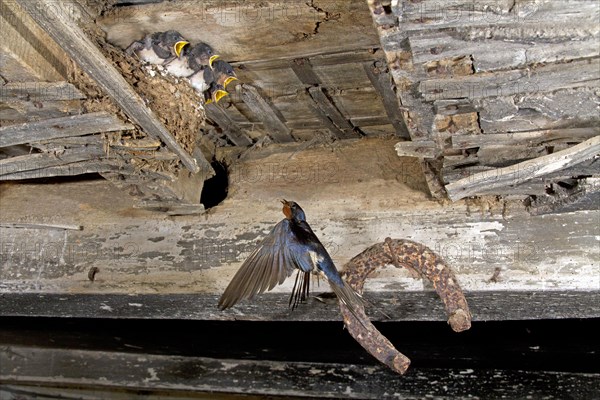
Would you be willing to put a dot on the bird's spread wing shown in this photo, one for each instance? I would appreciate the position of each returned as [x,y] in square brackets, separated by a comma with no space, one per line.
[269,265]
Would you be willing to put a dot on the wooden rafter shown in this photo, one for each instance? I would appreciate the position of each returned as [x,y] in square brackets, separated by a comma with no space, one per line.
[269,115]
[381,80]
[56,21]
[524,171]
[320,102]
[229,126]
[54,128]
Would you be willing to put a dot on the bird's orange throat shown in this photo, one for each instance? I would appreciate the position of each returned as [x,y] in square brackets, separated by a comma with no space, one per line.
[287,211]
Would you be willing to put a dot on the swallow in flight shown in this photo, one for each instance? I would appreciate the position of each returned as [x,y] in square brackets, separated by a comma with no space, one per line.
[290,246]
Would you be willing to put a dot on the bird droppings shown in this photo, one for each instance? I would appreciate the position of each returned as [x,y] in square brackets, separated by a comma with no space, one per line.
[135,305]
[106,308]
[226,366]
[153,375]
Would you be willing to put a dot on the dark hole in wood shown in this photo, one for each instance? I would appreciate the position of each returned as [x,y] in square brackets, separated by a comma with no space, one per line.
[387,8]
[215,189]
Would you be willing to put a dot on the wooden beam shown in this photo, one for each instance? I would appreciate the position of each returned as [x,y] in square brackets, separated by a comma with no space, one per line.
[39,91]
[302,67]
[344,57]
[545,78]
[499,52]
[524,171]
[324,103]
[185,374]
[320,102]
[431,14]
[56,21]
[76,125]
[229,126]
[26,51]
[272,119]
[381,80]
[10,166]
[71,169]
[499,305]
[530,138]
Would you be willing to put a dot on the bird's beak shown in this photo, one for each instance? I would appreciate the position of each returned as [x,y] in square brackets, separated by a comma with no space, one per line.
[212,59]
[219,94]
[179,46]
[283,201]
[229,80]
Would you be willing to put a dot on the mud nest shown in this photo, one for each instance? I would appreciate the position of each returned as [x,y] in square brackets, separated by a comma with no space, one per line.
[173,101]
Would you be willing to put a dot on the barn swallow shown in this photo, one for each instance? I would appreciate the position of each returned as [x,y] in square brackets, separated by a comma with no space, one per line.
[291,245]
[191,60]
[214,93]
[224,73]
[202,79]
[158,47]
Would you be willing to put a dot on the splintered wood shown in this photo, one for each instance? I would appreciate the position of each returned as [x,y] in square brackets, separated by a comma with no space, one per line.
[418,259]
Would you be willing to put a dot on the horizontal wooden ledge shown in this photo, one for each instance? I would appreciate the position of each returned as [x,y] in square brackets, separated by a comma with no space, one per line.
[403,306]
[529,138]
[23,365]
[39,91]
[61,127]
[546,78]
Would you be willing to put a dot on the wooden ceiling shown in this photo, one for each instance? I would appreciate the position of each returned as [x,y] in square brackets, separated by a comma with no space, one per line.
[471,90]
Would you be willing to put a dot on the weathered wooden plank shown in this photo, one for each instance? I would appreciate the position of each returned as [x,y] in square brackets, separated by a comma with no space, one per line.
[420,149]
[53,366]
[286,30]
[231,129]
[323,59]
[524,171]
[565,108]
[57,22]
[381,80]
[39,91]
[546,78]
[37,161]
[399,306]
[430,14]
[302,67]
[321,104]
[530,138]
[70,169]
[419,117]
[590,167]
[76,125]
[365,193]
[20,111]
[322,115]
[272,120]
[26,51]
[496,52]
[324,103]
